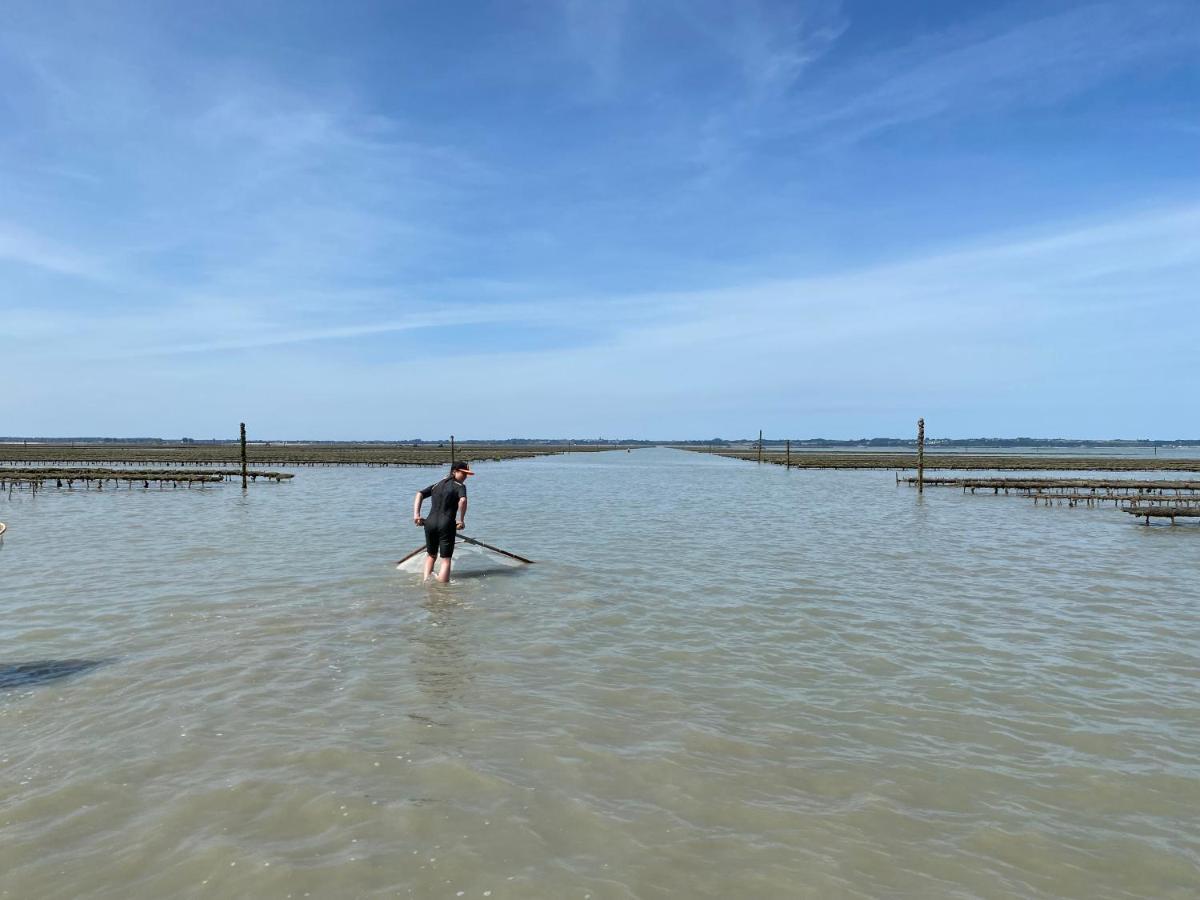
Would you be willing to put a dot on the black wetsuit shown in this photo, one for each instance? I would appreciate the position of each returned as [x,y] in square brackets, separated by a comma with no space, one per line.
[439,524]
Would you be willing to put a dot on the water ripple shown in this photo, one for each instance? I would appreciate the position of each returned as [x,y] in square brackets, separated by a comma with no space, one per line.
[738,688]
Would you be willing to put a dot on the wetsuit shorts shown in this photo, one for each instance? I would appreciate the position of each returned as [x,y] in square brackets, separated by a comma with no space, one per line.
[439,538]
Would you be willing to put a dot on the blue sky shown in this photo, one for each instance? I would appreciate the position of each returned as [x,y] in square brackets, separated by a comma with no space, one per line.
[562,218]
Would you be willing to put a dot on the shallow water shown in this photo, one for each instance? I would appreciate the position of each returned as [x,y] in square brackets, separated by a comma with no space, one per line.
[721,679]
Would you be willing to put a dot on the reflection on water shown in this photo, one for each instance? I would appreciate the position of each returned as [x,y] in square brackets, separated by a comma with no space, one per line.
[442,651]
[465,574]
[750,682]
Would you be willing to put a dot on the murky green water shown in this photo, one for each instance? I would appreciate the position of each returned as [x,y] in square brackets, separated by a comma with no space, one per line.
[721,680]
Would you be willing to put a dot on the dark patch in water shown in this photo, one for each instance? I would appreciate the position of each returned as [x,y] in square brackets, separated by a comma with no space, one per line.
[43,671]
[484,573]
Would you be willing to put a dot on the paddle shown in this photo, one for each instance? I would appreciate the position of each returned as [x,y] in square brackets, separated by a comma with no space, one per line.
[470,540]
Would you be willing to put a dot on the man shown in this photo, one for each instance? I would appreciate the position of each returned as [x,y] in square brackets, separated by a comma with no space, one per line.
[449,498]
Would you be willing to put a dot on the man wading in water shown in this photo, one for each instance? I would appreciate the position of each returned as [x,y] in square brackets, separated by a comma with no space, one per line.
[449,498]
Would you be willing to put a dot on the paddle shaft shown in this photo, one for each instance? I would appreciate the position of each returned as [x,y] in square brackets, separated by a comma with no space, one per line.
[471,540]
[409,556]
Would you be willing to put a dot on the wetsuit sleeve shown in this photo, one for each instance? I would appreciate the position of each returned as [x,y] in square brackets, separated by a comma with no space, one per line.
[426,493]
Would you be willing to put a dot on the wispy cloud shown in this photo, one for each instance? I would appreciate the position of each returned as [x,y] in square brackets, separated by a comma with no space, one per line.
[992,64]
[25,248]
[581,209]
[595,35]
[240,200]
[986,319]
[271,336]
[771,49]
[988,65]
[771,46]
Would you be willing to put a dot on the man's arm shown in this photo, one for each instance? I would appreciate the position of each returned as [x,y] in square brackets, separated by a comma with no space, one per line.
[462,513]
[420,495]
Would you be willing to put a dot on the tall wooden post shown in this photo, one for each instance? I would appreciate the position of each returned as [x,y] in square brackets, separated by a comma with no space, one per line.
[760,445]
[920,456]
[788,464]
[243,456]
[451,449]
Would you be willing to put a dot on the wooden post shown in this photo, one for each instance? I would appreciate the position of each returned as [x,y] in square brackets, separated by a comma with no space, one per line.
[243,456]
[788,464]
[920,456]
[760,445]
[451,449]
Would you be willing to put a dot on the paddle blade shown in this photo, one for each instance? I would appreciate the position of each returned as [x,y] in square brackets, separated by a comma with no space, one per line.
[413,561]
[468,552]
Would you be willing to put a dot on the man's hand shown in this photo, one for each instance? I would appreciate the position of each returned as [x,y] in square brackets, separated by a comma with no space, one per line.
[461,525]
[417,520]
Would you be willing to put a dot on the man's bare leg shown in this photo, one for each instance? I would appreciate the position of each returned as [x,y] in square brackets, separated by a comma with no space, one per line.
[429,561]
[444,575]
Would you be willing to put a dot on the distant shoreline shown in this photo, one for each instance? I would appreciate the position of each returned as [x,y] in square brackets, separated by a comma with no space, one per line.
[1110,456]
[1045,462]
